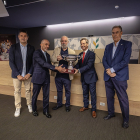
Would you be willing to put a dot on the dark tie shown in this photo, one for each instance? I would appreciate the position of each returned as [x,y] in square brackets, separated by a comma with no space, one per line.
[83,57]
[45,56]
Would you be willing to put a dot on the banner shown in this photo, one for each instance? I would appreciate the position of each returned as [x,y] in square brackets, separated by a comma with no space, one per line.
[100,42]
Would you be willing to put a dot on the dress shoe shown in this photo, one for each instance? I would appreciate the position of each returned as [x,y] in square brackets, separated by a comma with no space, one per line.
[68,109]
[125,125]
[108,117]
[47,114]
[35,113]
[94,114]
[17,112]
[83,109]
[56,107]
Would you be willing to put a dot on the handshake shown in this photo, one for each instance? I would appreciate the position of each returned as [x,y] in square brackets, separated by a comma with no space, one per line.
[61,69]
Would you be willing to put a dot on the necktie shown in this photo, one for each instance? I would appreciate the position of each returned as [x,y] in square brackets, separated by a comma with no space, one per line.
[83,57]
[45,56]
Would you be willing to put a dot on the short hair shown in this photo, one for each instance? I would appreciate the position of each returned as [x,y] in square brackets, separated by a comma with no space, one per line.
[117,26]
[23,31]
[85,40]
[64,36]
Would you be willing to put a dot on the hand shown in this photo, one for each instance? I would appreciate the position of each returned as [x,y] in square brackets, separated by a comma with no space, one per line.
[20,77]
[27,76]
[76,71]
[59,58]
[112,74]
[108,71]
[60,69]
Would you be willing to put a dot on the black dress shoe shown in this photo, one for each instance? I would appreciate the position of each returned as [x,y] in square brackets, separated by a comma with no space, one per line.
[47,114]
[56,107]
[125,125]
[68,109]
[35,113]
[108,117]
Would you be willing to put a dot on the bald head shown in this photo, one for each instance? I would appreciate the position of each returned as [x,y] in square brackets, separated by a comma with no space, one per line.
[64,42]
[45,45]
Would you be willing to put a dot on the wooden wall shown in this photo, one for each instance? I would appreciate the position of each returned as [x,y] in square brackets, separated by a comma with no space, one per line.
[6,86]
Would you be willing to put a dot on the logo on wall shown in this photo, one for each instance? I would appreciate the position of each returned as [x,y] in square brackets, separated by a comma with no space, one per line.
[96,43]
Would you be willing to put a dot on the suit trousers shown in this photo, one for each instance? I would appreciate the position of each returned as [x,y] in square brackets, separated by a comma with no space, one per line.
[36,90]
[17,93]
[92,88]
[120,87]
[59,85]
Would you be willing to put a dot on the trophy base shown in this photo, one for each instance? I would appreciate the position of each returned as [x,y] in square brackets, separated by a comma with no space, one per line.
[70,71]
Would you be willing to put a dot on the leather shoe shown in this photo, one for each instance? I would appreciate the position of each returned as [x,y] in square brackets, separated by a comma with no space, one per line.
[83,109]
[68,109]
[47,114]
[56,107]
[35,113]
[125,125]
[94,114]
[108,117]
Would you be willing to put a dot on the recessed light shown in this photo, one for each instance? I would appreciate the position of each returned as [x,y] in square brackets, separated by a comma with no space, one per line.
[117,6]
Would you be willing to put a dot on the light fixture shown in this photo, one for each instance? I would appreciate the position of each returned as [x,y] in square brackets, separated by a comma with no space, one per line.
[86,23]
[4,2]
[117,7]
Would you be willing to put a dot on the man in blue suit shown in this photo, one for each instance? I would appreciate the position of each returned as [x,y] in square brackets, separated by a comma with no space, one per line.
[41,76]
[20,61]
[115,60]
[85,66]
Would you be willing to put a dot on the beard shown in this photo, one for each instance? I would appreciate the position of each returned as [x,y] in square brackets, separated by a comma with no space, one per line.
[64,46]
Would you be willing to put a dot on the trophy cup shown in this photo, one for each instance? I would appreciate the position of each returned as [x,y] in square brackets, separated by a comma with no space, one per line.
[70,58]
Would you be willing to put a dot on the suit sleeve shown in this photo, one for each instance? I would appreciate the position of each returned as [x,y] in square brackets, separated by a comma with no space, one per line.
[40,61]
[89,64]
[105,64]
[126,58]
[12,61]
[31,68]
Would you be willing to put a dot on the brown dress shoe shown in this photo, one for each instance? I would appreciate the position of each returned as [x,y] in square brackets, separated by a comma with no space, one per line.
[94,114]
[83,109]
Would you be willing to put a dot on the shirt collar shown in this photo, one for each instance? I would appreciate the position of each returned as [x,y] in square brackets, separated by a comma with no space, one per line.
[22,45]
[85,51]
[117,43]
[43,51]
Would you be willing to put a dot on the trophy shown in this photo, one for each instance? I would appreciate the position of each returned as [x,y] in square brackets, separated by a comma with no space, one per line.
[70,58]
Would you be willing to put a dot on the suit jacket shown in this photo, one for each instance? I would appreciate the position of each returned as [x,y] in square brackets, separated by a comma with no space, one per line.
[120,60]
[56,53]
[16,62]
[86,68]
[41,67]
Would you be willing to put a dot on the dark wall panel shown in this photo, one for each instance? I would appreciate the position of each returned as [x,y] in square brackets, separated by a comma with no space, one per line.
[4,30]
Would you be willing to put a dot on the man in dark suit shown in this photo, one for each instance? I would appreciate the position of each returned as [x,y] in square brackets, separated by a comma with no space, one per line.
[41,76]
[20,61]
[115,61]
[85,66]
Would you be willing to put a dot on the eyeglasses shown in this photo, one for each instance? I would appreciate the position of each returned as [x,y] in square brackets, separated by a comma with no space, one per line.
[64,41]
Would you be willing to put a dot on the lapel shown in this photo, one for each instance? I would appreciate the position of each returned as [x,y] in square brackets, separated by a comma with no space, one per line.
[19,51]
[118,48]
[111,50]
[28,50]
[86,57]
[42,54]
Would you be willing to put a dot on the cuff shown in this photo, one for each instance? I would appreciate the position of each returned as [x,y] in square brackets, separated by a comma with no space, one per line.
[112,70]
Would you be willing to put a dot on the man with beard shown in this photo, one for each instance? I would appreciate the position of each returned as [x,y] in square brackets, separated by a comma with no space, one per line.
[62,78]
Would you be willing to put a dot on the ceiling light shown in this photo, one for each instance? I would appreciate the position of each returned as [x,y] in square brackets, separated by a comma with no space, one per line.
[4,2]
[116,7]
